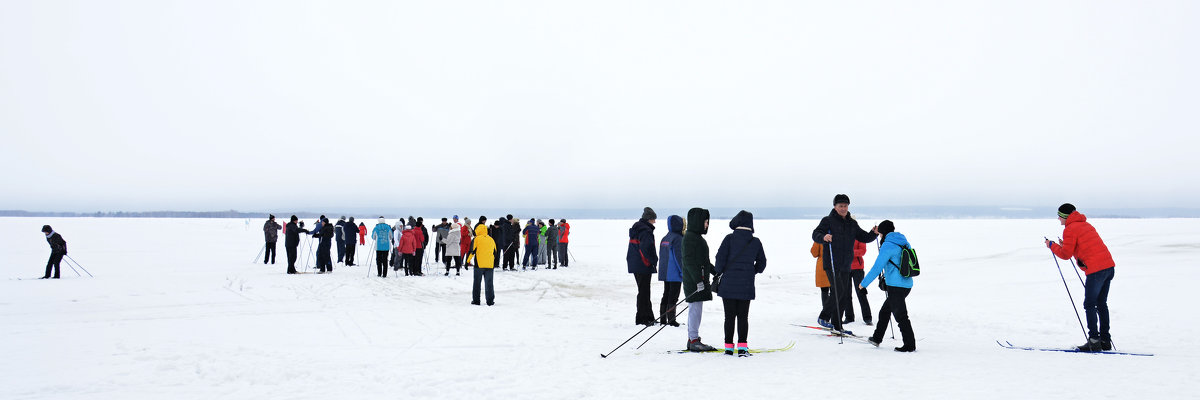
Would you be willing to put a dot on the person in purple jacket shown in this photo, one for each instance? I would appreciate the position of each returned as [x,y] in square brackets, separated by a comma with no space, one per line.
[670,269]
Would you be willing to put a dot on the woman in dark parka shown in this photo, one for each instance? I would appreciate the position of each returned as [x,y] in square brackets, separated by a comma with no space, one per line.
[739,259]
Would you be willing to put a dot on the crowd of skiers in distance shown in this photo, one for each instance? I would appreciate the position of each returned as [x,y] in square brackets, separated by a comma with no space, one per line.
[402,246]
[681,258]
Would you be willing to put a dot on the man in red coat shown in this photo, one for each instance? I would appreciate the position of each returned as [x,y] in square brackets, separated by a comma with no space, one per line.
[1081,241]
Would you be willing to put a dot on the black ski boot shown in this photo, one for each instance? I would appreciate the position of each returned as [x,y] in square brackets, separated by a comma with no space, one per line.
[1092,345]
[697,346]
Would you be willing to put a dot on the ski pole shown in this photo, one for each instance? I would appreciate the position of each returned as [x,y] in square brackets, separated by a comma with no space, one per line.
[571,254]
[638,333]
[80,265]
[1069,296]
[664,326]
[69,265]
[260,252]
[1072,260]
[837,307]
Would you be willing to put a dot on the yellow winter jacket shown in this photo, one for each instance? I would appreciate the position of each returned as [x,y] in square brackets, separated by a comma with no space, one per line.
[484,248]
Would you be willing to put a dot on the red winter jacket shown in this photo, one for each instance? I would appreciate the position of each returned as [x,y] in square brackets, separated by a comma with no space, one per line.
[464,242]
[860,249]
[408,242]
[563,230]
[1081,241]
[419,236]
[362,234]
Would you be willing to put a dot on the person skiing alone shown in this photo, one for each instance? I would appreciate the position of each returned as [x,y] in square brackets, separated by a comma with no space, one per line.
[58,249]
[642,262]
[1081,241]
[695,272]
[898,287]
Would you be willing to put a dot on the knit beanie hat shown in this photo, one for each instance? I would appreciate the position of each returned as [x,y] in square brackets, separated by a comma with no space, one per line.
[46,229]
[841,198]
[887,227]
[648,214]
[381,220]
[1065,210]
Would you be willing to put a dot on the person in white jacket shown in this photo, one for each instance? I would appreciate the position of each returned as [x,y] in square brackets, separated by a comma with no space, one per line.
[397,233]
[453,249]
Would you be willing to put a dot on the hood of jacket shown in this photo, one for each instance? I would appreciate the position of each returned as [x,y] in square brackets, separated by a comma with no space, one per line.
[1076,216]
[695,220]
[896,238]
[481,230]
[640,225]
[675,224]
[742,219]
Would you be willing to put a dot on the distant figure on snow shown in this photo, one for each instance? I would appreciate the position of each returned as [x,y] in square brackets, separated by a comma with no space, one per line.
[58,249]
[291,240]
[271,232]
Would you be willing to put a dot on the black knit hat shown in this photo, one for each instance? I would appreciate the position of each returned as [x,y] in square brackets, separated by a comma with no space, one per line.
[841,198]
[887,227]
[648,214]
[47,229]
[1065,210]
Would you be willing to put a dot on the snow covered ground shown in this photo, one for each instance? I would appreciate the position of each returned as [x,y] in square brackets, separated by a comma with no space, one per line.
[178,310]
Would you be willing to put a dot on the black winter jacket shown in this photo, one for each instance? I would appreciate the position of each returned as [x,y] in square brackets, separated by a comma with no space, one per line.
[845,231]
[641,256]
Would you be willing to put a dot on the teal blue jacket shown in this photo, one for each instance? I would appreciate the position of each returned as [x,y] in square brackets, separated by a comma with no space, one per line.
[889,262]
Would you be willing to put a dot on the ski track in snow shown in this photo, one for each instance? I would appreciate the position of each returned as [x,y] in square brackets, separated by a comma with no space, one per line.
[184,315]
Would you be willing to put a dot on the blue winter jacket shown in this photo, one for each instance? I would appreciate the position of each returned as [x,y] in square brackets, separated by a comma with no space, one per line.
[383,237]
[671,249]
[889,262]
[739,258]
[641,257]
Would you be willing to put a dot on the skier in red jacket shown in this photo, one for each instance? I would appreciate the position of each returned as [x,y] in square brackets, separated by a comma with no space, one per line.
[1081,241]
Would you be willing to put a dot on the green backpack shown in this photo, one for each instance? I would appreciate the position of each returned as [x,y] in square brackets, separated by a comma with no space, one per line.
[909,265]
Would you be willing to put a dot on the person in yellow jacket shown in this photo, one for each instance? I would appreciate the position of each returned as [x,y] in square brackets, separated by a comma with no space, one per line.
[822,279]
[484,249]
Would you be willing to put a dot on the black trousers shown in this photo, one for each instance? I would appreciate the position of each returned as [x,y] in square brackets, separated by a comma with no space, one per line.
[737,311]
[324,262]
[457,263]
[381,259]
[895,306]
[410,264]
[563,254]
[666,307]
[291,256]
[645,312]
[857,276]
[551,254]
[53,263]
[439,249]
[510,257]
[350,247]
[839,297]
[270,253]
[341,249]
[420,259]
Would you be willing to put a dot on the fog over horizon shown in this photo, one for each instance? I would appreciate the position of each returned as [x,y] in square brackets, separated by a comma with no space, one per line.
[269,105]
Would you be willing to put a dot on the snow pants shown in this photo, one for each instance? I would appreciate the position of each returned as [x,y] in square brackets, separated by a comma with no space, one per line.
[270,253]
[895,306]
[53,264]
[666,307]
[857,276]
[381,259]
[645,311]
[291,257]
[485,275]
[563,254]
[839,297]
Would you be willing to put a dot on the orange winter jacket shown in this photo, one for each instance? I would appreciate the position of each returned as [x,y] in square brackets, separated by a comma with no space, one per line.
[1081,241]
[822,279]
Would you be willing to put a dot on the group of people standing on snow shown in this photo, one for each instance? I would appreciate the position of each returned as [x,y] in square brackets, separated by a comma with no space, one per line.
[457,245]
[683,264]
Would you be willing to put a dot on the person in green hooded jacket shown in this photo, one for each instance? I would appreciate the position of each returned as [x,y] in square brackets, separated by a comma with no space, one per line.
[696,270]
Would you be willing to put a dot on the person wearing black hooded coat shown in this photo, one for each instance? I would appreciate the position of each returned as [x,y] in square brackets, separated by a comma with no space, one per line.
[739,259]
[348,232]
[696,270]
[58,249]
[642,262]
[837,233]
[324,261]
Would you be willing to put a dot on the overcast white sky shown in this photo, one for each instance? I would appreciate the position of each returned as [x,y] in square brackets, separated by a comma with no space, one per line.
[199,105]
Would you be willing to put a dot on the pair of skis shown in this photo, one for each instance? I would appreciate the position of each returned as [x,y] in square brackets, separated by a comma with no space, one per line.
[1008,345]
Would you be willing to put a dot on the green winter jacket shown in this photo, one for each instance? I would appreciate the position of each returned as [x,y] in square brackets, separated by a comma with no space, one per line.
[697,267]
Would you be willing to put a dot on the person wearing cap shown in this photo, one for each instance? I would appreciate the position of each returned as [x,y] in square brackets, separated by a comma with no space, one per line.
[348,231]
[564,229]
[324,260]
[292,240]
[837,233]
[451,242]
[340,241]
[271,232]
[58,249]
[642,261]
[398,259]
[898,287]
[382,235]
[1081,241]
[531,245]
